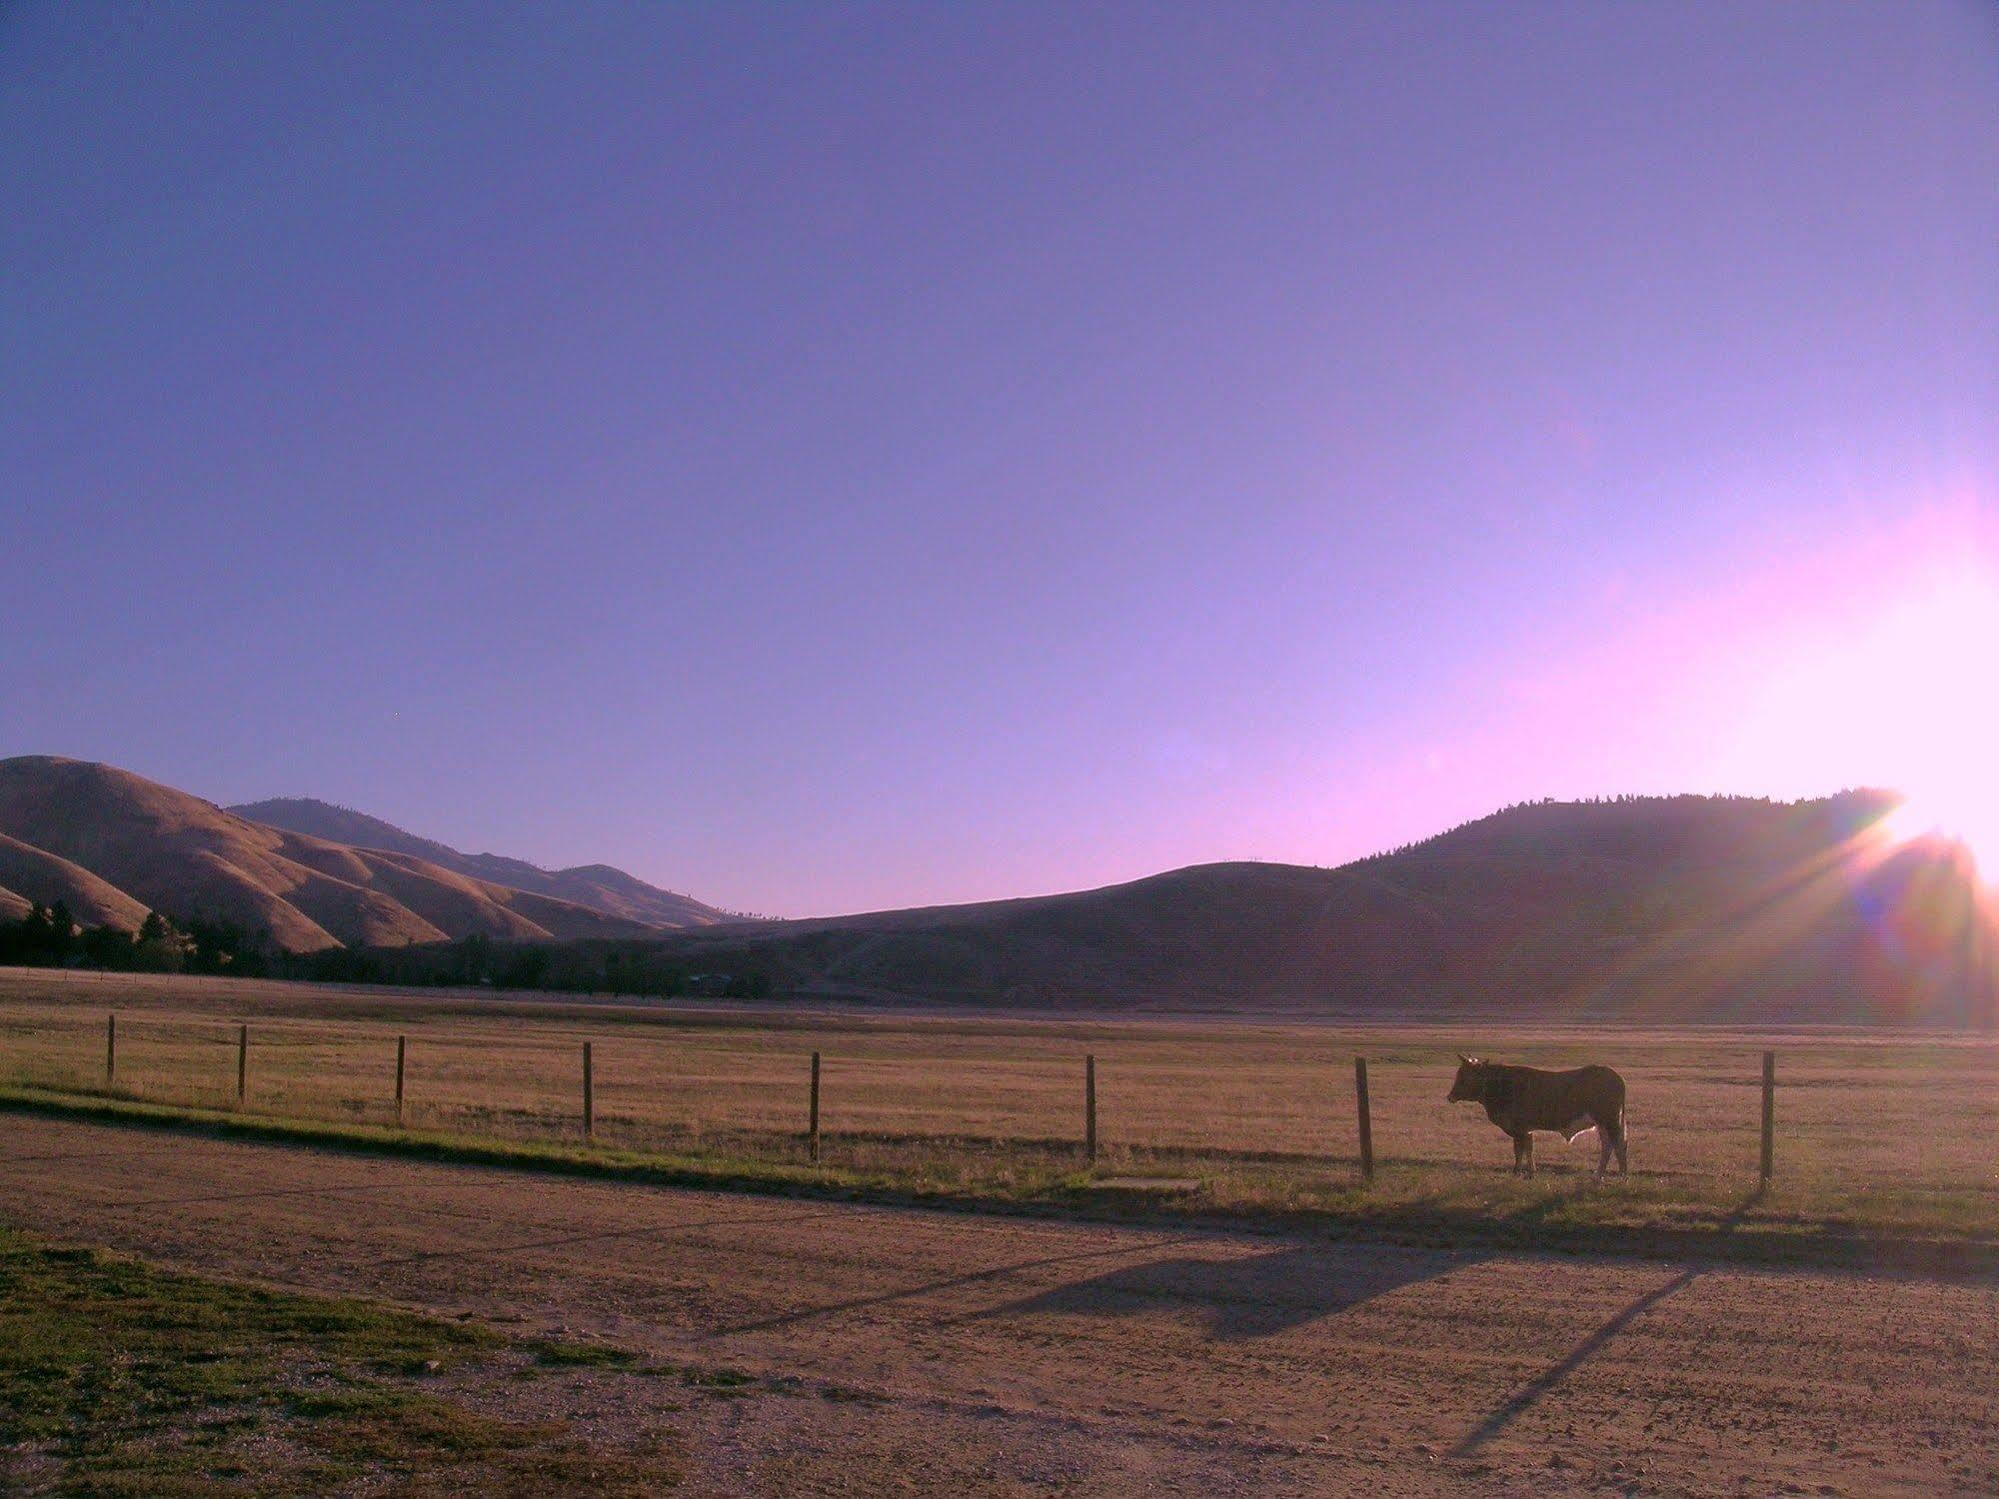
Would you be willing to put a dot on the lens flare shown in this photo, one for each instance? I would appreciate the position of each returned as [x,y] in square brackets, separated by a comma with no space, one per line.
[1970,823]
[1905,699]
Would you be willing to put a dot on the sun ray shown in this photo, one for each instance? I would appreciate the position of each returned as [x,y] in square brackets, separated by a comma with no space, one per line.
[1900,698]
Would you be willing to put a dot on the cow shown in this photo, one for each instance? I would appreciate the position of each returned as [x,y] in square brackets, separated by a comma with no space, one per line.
[1521,1100]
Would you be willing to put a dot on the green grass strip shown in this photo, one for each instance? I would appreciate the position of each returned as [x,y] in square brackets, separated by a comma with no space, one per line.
[1605,1221]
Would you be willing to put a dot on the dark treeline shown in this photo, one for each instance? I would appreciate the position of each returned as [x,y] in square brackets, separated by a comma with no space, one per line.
[1844,812]
[564,968]
[50,937]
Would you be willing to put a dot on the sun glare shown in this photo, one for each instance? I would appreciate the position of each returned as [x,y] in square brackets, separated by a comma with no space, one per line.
[1903,698]
[1975,827]
[1930,719]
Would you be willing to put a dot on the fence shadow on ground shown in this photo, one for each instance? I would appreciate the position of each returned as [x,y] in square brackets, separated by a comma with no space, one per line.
[1241,1297]
[1545,1383]
[926,1288]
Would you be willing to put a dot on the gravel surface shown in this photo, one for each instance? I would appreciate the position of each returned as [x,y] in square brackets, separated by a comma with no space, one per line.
[899,1351]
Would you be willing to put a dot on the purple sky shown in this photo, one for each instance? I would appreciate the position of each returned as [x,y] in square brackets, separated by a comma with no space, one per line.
[829,457]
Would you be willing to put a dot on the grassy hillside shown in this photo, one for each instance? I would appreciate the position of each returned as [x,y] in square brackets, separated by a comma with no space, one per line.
[1663,907]
[1684,907]
[121,845]
[598,887]
[91,900]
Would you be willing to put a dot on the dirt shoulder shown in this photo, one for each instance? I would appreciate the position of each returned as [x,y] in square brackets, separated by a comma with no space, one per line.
[867,1349]
[117,1377]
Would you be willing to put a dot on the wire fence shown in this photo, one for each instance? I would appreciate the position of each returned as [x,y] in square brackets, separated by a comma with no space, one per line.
[1915,1117]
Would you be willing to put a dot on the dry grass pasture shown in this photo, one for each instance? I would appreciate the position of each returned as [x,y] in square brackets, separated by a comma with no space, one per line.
[1878,1132]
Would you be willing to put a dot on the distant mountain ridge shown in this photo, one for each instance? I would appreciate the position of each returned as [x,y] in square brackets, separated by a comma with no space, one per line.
[1683,908]
[1734,909]
[596,886]
[113,845]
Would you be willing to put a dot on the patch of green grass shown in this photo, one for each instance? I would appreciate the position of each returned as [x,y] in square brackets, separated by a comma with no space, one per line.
[117,1378]
[1564,1209]
[846,1394]
[718,1379]
[583,1356]
[714,1170]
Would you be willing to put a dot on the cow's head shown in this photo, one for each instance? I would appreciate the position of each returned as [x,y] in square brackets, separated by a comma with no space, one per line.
[1469,1086]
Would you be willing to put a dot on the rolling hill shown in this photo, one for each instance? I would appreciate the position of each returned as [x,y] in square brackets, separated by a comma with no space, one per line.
[1717,908]
[115,845]
[1680,907]
[597,886]
[91,901]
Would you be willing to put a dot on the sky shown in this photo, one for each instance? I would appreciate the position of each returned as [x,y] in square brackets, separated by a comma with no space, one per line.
[832,457]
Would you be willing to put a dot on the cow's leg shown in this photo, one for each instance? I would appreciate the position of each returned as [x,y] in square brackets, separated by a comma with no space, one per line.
[1516,1155]
[1523,1152]
[1623,1166]
[1604,1135]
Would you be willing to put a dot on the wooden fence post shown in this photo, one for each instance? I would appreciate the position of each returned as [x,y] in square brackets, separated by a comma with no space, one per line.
[110,1048]
[1366,1121]
[1769,1115]
[1090,1108]
[589,1097]
[812,1123]
[242,1064]
[402,1051]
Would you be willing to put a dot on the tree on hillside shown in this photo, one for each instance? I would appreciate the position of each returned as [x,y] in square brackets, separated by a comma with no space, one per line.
[25,941]
[475,959]
[50,936]
[224,947]
[160,947]
[528,970]
[106,947]
[62,933]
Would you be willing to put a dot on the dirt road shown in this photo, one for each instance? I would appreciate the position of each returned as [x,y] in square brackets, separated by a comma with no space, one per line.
[904,1351]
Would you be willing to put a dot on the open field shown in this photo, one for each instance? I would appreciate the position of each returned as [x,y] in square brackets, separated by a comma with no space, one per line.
[841,1349]
[1878,1132]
